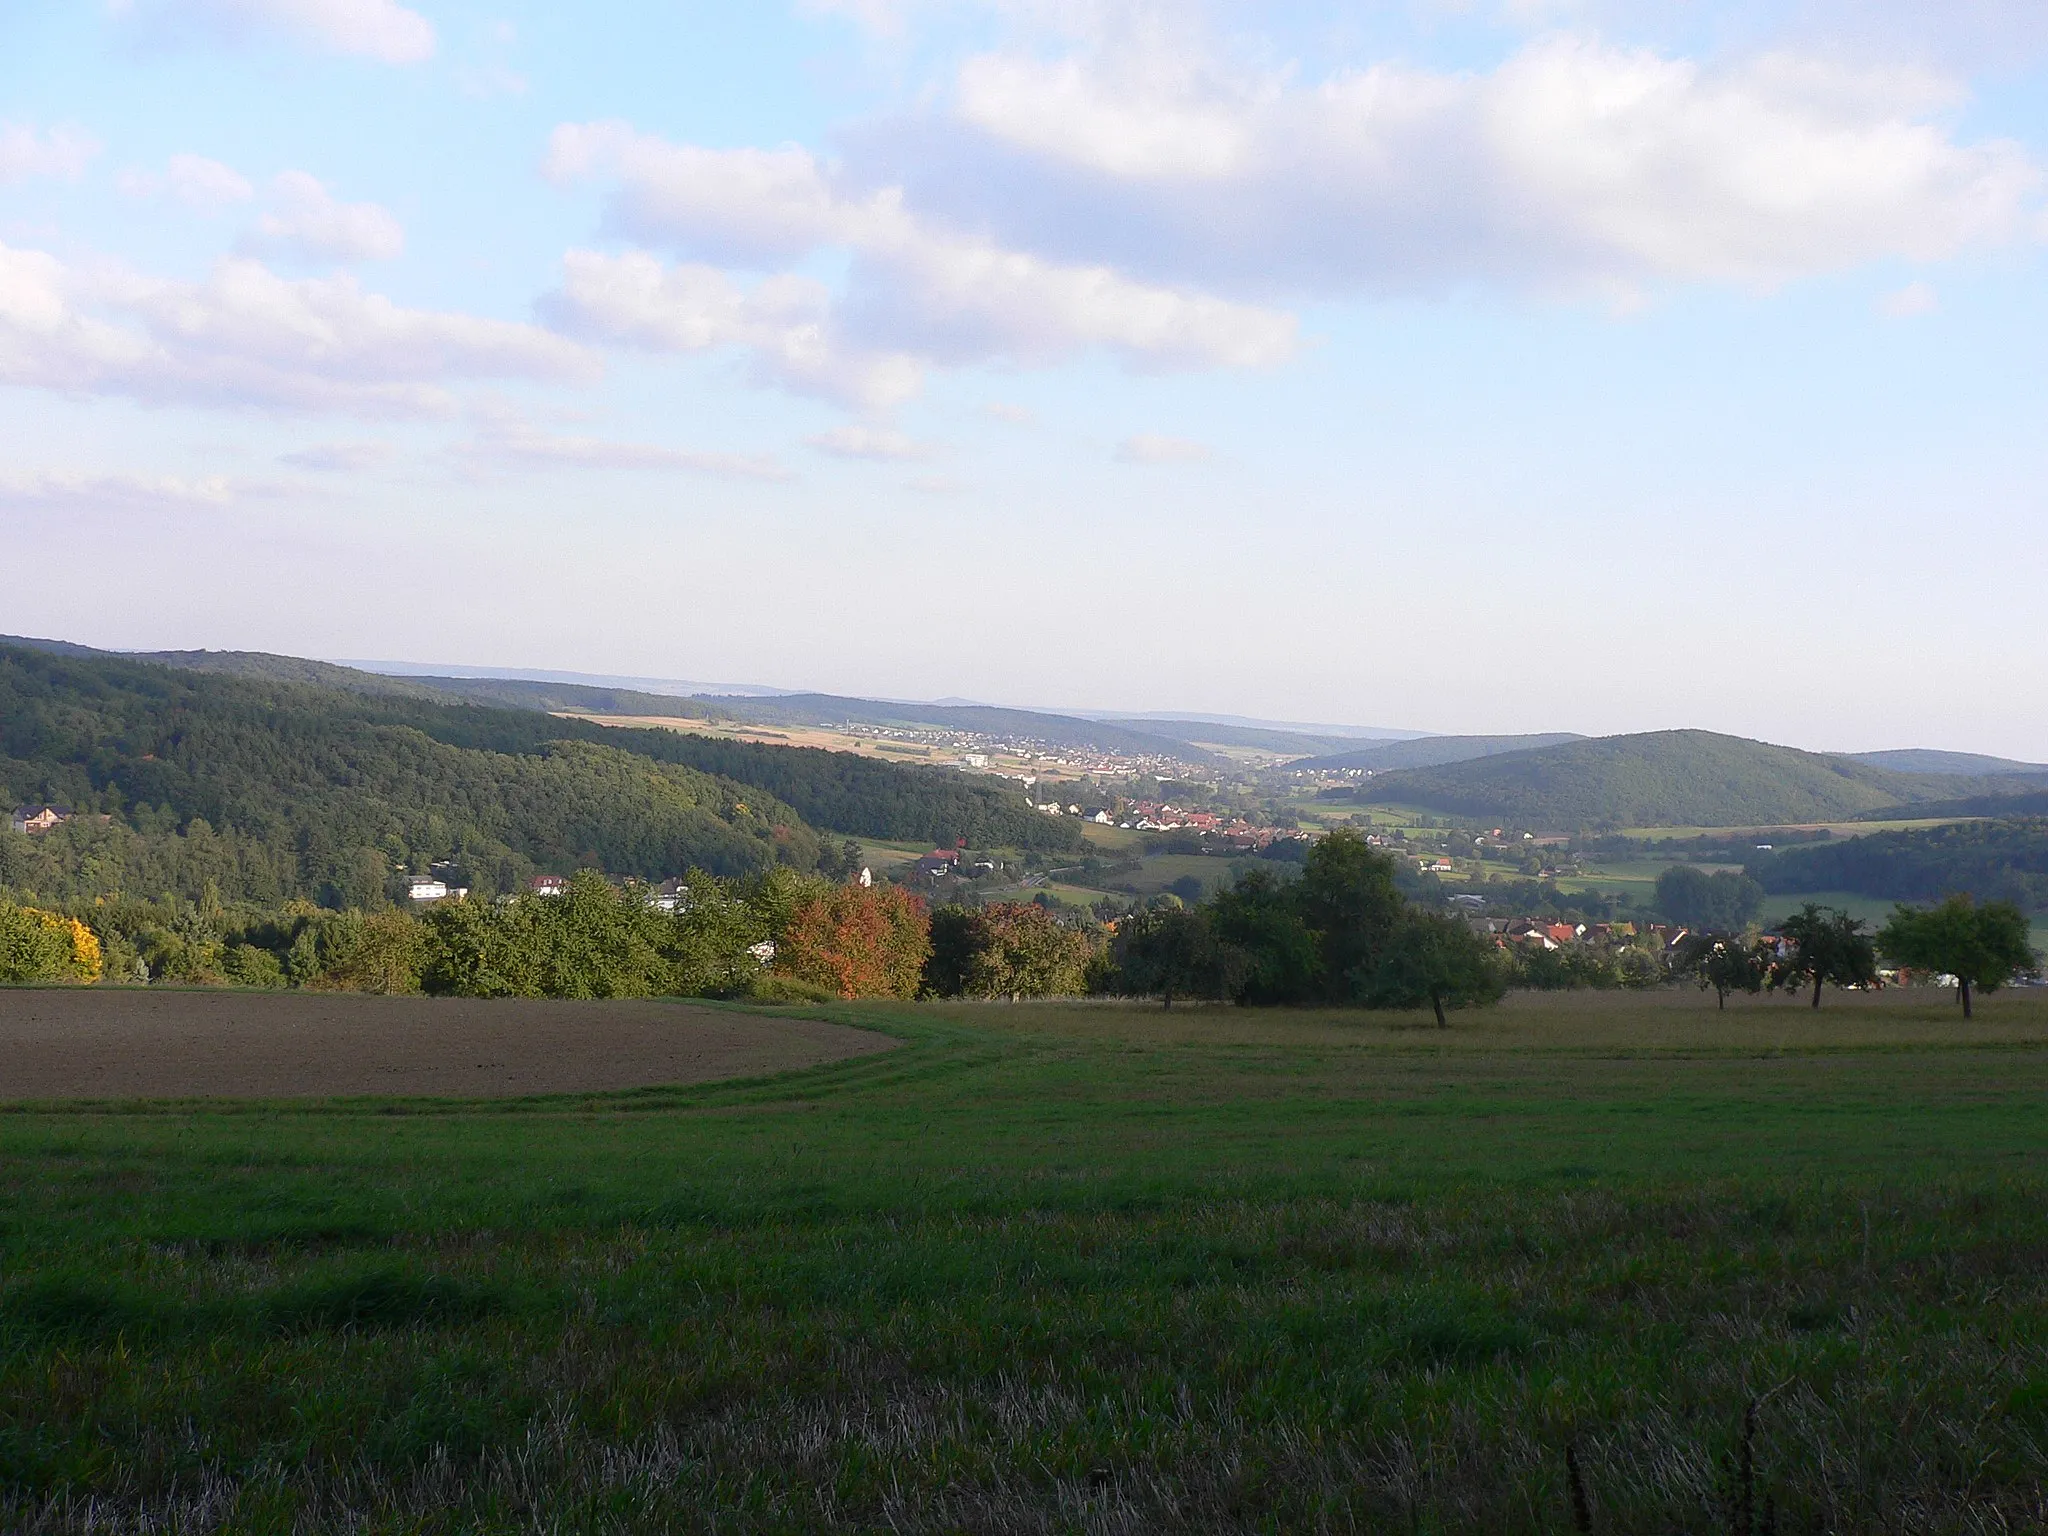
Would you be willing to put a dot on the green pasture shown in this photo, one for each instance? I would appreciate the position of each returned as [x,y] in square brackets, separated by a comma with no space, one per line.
[1074,1267]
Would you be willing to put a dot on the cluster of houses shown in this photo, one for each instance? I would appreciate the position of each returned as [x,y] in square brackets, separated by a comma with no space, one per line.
[1544,933]
[1163,816]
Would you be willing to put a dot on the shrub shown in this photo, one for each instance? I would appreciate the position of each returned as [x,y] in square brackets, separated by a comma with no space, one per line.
[1006,949]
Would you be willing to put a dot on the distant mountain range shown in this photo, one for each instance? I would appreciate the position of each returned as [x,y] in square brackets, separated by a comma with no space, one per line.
[1921,760]
[1556,782]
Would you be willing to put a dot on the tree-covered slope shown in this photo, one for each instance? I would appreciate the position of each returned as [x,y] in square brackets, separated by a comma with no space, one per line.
[1925,760]
[504,692]
[1662,778]
[2004,860]
[299,790]
[1432,751]
[316,798]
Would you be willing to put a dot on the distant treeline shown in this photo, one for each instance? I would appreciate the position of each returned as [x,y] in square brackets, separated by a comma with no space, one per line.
[780,936]
[273,791]
[2005,860]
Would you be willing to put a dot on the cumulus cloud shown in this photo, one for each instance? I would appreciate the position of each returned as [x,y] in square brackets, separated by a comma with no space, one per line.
[1573,165]
[373,29]
[308,222]
[510,443]
[868,443]
[197,182]
[918,292]
[784,323]
[27,152]
[1155,448]
[246,336]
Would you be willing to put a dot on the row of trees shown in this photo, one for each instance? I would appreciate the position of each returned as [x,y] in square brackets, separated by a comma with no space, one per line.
[1340,935]
[780,936]
[1982,946]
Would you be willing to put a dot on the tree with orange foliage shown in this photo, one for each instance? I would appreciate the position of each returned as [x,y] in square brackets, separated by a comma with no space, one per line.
[858,942]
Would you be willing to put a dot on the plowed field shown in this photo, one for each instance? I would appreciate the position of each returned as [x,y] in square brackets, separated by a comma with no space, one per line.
[104,1043]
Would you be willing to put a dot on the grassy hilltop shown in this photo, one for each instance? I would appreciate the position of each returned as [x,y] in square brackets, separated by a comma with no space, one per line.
[1072,1268]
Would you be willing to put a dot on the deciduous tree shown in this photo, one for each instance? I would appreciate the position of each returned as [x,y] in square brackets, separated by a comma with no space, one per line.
[1983,947]
[1724,962]
[1828,946]
[1435,959]
[858,942]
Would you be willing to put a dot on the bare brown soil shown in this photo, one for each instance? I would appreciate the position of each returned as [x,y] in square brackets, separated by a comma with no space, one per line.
[108,1043]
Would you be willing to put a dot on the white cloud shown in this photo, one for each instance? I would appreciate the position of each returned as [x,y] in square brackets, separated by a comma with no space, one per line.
[1913,299]
[917,291]
[197,182]
[1154,448]
[1014,415]
[246,336]
[311,224]
[58,490]
[868,443]
[27,152]
[1574,165]
[338,458]
[785,323]
[526,445]
[372,29]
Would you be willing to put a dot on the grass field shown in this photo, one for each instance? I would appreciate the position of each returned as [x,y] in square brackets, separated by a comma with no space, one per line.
[1073,1268]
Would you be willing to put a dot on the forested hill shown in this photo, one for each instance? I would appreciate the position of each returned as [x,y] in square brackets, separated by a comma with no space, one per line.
[286,789]
[505,692]
[1667,779]
[1060,731]
[2005,860]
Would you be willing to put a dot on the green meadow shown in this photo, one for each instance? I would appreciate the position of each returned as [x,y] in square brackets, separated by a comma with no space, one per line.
[1619,1263]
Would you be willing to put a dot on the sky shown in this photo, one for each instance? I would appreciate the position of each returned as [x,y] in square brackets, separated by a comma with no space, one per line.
[1452,365]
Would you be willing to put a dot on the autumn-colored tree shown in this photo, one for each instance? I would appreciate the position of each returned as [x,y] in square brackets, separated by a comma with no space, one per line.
[38,946]
[857,942]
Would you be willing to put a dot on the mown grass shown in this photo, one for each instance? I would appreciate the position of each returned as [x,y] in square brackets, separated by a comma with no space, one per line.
[1081,1268]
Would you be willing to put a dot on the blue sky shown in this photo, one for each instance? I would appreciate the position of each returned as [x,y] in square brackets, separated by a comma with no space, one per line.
[1498,365]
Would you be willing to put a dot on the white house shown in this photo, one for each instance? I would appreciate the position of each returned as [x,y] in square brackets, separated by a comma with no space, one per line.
[426,888]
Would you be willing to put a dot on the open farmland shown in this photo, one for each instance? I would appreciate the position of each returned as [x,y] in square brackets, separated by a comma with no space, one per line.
[1072,1267]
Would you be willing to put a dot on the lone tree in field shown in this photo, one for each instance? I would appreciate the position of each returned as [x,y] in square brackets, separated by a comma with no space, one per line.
[1725,963]
[1982,947]
[1827,946]
[1437,960]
